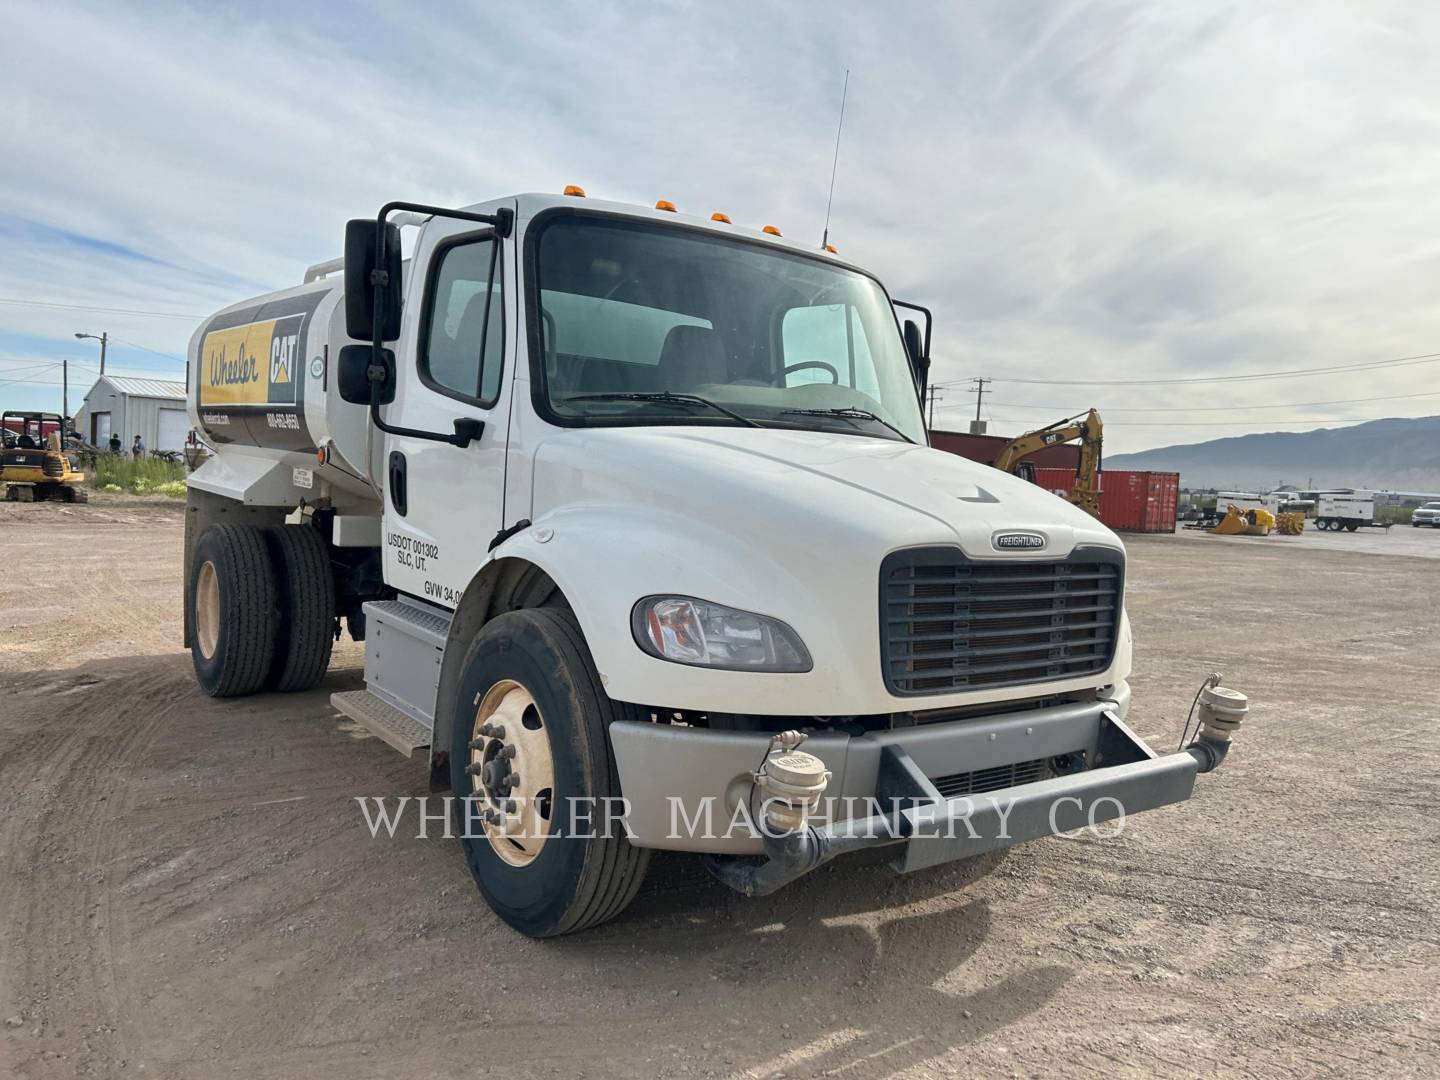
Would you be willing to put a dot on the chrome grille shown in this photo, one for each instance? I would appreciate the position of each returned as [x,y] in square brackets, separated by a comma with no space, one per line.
[950,624]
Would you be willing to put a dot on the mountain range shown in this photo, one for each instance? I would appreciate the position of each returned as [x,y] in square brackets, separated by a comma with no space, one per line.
[1400,454]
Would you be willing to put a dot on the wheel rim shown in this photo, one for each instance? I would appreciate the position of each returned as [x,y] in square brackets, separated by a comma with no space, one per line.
[512,772]
[207,609]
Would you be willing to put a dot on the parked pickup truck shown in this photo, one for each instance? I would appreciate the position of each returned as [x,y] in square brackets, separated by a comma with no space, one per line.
[635,509]
[1428,514]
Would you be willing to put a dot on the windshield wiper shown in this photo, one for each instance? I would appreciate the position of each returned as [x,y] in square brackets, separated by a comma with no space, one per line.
[847,413]
[665,397]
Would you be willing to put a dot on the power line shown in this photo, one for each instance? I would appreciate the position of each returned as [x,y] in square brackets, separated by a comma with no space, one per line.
[1216,408]
[31,379]
[146,348]
[1312,420]
[106,310]
[1399,361]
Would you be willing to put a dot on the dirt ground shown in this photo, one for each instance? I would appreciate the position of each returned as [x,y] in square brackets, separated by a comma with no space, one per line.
[189,890]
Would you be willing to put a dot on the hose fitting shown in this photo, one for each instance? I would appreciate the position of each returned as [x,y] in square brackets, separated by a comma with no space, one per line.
[1221,712]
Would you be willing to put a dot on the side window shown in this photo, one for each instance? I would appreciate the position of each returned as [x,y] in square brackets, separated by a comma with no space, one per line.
[833,335]
[463,347]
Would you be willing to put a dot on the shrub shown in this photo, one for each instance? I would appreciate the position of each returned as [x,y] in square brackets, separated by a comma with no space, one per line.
[118,472]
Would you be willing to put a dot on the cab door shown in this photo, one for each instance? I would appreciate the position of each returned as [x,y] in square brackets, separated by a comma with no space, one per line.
[444,503]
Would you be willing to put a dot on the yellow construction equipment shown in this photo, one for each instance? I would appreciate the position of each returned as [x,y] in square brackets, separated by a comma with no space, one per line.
[1290,523]
[35,465]
[1083,426]
[1237,522]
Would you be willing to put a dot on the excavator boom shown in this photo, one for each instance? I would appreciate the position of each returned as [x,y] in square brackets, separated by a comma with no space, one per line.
[1085,427]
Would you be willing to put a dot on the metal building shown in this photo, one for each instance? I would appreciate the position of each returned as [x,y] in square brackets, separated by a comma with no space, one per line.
[154,409]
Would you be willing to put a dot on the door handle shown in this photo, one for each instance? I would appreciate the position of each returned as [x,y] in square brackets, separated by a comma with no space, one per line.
[396,476]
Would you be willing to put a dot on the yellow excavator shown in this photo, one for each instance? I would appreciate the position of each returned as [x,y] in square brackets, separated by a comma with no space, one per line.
[36,465]
[1083,426]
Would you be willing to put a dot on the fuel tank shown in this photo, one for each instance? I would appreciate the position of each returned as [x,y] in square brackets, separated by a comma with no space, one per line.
[262,384]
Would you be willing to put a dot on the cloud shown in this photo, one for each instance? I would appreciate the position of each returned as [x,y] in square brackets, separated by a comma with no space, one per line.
[1102,190]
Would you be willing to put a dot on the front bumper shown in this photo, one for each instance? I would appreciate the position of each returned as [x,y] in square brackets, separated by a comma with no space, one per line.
[691,789]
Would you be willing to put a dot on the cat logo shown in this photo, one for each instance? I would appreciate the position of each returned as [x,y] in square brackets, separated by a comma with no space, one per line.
[282,354]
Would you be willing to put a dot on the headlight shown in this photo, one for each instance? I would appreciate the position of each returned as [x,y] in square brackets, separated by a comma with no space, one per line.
[689,631]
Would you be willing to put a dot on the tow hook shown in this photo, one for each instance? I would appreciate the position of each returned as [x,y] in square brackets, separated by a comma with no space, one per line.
[1221,712]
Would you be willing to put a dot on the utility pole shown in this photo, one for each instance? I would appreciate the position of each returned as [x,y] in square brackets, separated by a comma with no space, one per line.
[977,387]
[104,339]
[931,393]
[64,397]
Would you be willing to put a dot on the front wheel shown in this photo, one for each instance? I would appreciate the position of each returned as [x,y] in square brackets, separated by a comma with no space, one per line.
[536,789]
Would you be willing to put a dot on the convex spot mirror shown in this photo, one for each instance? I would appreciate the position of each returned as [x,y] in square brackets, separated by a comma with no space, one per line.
[353,376]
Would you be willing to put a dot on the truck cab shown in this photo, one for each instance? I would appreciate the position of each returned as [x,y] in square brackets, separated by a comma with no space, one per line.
[636,516]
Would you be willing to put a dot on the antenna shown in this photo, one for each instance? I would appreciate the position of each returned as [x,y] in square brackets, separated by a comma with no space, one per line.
[835,162]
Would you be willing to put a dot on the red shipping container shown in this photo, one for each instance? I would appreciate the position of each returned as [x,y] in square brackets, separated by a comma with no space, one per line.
[1129,500]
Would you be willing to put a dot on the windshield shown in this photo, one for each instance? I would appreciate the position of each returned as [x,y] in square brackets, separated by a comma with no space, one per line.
[640,323]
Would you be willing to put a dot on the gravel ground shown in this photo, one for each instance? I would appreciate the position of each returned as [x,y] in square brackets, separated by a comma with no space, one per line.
[189,890]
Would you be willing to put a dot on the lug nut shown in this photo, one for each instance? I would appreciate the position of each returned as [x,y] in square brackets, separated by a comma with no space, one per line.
[510,806]
[507,752]
[478,744]
[486,729]
[513,779]
[498,731]
[474,769]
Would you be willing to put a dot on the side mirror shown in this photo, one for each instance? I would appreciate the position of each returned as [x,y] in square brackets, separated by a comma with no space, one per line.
[361,260]
[914,345]
[358,369]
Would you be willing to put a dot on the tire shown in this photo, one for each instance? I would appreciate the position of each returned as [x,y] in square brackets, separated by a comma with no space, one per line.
[231,627]
[1352,525]
[572,882]
[306,599]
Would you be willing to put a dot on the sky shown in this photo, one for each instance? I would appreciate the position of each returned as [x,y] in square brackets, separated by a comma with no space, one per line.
[1083,193]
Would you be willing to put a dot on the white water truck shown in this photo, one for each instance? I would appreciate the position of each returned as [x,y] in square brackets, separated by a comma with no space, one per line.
[636,517]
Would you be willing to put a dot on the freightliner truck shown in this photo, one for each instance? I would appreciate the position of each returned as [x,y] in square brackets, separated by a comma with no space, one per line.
[635,515]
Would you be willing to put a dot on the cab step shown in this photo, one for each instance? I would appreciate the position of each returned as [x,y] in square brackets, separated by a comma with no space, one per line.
[404,646]
[382,720]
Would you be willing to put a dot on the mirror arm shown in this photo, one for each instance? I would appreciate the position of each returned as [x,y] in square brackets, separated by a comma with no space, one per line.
[467,429]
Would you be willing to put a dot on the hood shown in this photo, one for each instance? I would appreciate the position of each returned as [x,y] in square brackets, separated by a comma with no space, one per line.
[898,493]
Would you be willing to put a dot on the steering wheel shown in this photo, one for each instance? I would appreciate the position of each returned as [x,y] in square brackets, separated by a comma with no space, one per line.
[806,365]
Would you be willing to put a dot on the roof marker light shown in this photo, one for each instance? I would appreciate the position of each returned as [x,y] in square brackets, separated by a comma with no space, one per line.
[831,249]
[717,216]
[771,230]
[665,204]
[576,190]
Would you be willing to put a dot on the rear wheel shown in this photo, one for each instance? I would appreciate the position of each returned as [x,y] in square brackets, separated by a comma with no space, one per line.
[231,610]
[306,599]
[533,776]
[1352,525]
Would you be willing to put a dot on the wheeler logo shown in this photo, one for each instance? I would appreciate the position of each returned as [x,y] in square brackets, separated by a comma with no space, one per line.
[1018,541]
[251,364]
